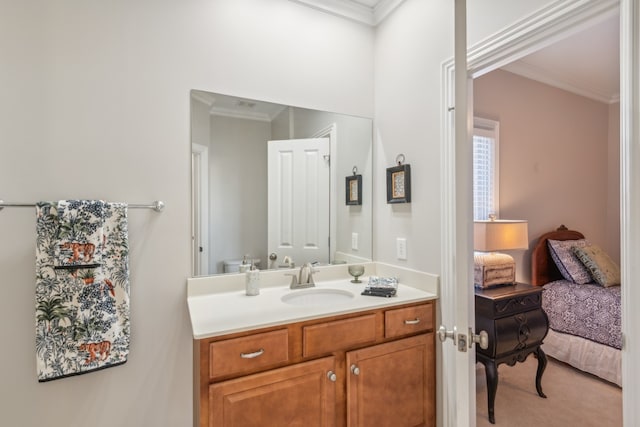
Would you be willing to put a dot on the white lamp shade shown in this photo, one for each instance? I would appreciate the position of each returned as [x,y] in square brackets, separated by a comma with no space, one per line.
[500,235]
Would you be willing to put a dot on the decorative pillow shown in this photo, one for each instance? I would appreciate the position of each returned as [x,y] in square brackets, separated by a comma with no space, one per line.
[603,269]
[571,268]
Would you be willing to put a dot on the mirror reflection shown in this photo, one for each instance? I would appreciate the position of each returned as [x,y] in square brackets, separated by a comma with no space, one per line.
[270,187]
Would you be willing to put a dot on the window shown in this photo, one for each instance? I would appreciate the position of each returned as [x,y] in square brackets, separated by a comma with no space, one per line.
[485,168]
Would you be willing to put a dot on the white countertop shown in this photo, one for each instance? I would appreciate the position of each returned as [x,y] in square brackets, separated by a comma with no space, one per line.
[218,305]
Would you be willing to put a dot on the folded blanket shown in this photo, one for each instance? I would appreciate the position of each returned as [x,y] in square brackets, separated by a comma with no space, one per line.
[82,307]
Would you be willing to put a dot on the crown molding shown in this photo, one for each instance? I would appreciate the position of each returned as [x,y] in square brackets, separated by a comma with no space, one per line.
[260,117]
[236,112]
[538,30]
[204,98]
[354,10]
[384,9]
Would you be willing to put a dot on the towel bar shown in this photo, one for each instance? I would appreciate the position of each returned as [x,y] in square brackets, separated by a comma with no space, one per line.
[157,205]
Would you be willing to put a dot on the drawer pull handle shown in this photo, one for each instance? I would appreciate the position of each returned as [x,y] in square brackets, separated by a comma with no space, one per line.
[332,376]
[252,355]
[412,322]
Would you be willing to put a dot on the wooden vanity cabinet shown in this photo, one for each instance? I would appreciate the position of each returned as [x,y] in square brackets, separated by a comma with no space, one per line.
[296,395]
[371,368]
[392,384]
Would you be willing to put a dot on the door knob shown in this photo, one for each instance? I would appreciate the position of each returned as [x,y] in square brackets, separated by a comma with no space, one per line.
[443,334]
[332,376]
[482,338]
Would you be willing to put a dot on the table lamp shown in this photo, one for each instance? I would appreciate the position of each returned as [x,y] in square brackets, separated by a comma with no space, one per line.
[492,268]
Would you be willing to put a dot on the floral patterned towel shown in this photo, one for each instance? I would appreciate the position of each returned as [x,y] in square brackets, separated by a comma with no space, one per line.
[80,234]
[82,313]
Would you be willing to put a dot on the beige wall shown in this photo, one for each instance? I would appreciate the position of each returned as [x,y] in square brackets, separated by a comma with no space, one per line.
[613,181]
[554,159]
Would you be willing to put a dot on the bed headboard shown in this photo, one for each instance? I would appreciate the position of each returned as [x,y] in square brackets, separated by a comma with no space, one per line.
[543,268]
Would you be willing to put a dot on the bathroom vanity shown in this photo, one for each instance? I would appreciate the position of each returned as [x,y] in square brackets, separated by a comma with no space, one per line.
[325,356]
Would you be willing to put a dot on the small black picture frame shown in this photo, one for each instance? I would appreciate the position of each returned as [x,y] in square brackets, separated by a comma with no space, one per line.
[353,190]
[399,184]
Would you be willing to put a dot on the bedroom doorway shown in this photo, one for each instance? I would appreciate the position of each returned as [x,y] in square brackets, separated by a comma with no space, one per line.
[514,43]
[605,18]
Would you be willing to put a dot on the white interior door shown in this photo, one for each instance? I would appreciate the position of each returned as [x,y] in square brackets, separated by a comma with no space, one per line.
[465,359]
[298,199]
[457,308]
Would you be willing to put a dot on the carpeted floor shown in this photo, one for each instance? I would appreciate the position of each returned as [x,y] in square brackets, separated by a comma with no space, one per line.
[574,398]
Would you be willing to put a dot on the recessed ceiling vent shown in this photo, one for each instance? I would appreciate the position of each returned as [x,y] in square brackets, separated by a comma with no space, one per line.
[245,104]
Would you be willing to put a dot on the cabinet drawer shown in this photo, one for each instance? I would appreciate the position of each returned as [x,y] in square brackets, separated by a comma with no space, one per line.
[248,354]
[341,334]
[408,320]
[513,333]
[507,300]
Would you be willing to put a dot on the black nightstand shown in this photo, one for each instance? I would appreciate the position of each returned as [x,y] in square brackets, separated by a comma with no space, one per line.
[512,316]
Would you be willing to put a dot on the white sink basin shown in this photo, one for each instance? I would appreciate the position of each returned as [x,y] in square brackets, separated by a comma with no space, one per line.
[317,296]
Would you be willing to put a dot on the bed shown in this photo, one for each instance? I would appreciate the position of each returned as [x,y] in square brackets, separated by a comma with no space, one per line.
[584,318]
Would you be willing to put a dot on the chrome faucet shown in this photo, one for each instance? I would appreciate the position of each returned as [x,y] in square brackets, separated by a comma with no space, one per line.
[304,279]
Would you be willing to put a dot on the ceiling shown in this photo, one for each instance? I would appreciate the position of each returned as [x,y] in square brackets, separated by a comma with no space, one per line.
[586,63]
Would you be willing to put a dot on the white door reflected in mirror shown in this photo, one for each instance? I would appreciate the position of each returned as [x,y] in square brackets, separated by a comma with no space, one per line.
[298,199]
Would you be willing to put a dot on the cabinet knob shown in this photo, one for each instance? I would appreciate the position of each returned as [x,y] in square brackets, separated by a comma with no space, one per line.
[332,376]
[355,370]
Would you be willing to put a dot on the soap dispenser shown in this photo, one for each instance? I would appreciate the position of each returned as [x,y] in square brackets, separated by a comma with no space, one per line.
[245,266]
[253,280]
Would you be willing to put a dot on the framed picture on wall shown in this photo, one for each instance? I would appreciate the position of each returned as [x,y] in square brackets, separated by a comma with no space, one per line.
[399,184]
[353,189]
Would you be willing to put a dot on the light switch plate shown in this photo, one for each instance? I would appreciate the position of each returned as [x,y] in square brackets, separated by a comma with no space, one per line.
[354,241]
[401,248]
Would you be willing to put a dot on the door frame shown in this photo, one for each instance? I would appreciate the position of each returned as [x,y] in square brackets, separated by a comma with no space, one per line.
[331,132]
[557,20]
[200,209]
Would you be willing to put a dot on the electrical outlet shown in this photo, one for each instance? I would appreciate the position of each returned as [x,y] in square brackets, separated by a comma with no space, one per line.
[354,241]
[401,248]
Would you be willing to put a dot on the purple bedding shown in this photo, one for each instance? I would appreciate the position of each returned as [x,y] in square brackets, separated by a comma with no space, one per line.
[589,311]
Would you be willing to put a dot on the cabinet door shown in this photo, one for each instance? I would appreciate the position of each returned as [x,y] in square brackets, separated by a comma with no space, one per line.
[298,395]
[392,384]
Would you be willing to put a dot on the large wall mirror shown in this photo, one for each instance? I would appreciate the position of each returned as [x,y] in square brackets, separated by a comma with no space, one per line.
[269,185]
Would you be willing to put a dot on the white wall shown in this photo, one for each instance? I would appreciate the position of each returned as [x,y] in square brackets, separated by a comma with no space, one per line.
[107,83]
[95,104]
[238,190]
[407,121]
[410,47]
